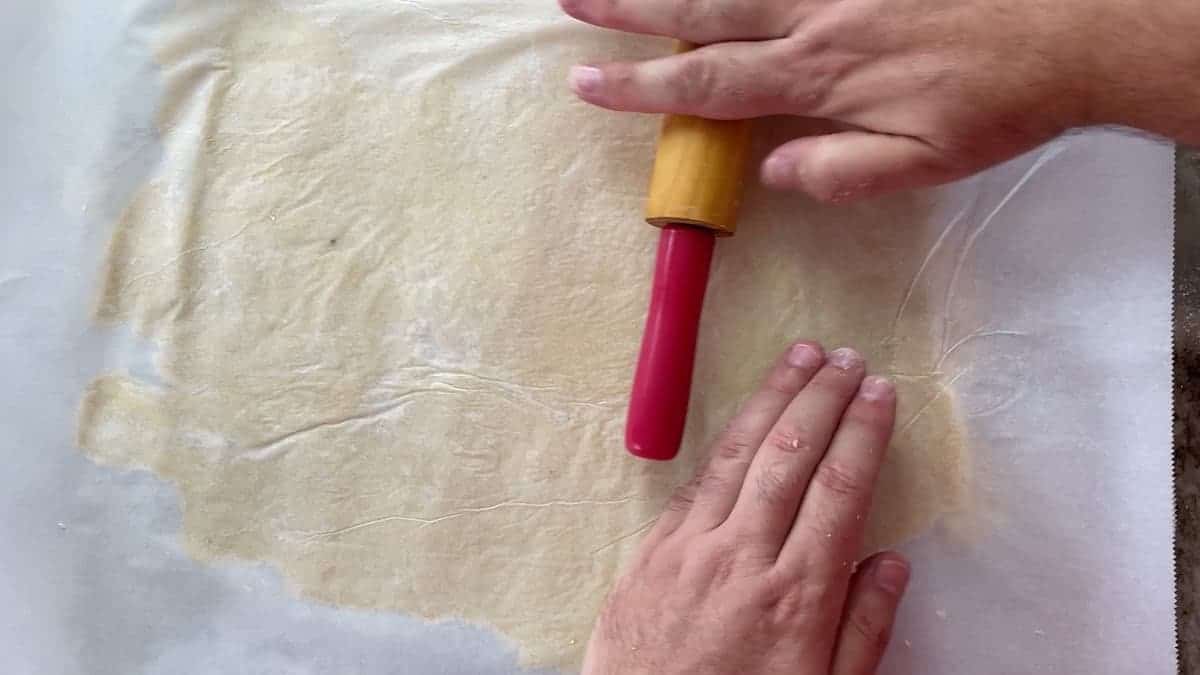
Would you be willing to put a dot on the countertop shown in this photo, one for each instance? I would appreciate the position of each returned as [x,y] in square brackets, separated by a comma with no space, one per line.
[1187,408]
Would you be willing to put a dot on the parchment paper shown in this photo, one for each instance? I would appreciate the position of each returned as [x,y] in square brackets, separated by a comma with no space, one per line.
[1062,257]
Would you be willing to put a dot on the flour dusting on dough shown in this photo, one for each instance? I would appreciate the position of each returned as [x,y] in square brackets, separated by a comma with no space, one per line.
[398,283]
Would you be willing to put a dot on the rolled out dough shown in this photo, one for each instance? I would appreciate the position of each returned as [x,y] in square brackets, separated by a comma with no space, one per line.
[397,278]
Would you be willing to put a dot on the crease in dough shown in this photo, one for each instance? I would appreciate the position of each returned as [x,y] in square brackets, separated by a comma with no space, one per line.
[398,287]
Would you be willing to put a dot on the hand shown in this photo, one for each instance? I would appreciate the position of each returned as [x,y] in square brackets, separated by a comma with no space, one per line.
[751,569]
[921,91]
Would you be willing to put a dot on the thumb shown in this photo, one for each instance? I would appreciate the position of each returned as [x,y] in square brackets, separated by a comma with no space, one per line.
[854,164]
[875,593]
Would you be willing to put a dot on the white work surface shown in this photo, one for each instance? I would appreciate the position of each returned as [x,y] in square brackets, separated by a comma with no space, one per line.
[1062,258]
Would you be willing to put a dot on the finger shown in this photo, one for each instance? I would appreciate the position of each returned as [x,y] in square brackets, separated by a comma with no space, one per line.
[730,80]
[778,476]
[698,21]
[870,614]
[856,164]
[718,483]
[706,500]
[834,510]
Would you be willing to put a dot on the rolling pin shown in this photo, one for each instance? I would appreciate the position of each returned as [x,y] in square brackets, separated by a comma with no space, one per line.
[695,192]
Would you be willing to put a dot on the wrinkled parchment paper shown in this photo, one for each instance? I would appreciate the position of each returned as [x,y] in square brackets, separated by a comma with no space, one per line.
[1059,259]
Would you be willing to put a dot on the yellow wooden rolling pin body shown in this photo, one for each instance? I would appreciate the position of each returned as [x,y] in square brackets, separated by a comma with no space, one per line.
[698,171]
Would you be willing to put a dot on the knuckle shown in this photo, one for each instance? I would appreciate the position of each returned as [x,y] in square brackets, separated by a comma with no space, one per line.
[804,92]
[775,482]
[785,607]
[810,74]
[723,562]
[777,585]
[735,444]
[809,40]
[773,95]
[661,561]
[875,632]
[781,382]
[839,480]
[620,77]
[683,498]
[817,59]
[733,557]
[787,599]
[822,536]
[690,15]
[706,482]
[790,442]
[867,413]
[695,80]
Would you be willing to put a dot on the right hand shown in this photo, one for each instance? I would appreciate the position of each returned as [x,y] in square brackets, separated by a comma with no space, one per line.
[924,91]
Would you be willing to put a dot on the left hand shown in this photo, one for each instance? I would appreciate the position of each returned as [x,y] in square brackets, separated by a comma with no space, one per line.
[751,570]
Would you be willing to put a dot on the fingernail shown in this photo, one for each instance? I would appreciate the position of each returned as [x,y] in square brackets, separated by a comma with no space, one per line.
[876,388]
[845,358]
[585,79]
[776,171]
[891,575]
[805,355]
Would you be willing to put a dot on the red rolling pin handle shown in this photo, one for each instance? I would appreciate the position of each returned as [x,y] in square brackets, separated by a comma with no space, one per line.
[659,403]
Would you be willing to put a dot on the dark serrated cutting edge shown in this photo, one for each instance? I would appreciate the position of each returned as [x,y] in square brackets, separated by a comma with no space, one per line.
[1186,306]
